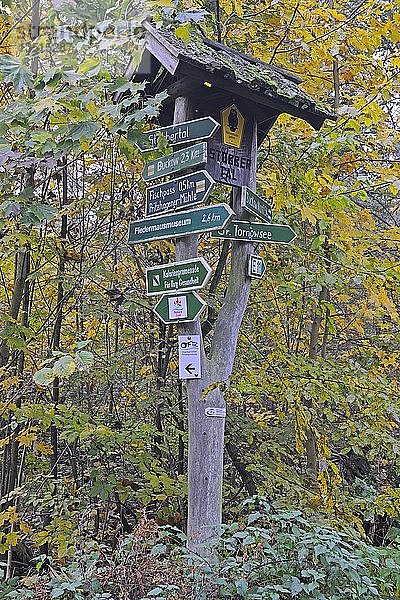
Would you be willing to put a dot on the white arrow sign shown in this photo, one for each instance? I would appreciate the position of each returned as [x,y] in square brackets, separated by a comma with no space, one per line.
[189,357]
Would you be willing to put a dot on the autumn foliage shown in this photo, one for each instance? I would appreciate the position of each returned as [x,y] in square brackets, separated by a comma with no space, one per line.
[93,424]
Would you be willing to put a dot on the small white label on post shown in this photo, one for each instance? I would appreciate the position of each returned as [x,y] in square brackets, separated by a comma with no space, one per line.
[177,307]
[189,357]
[214,411]
[256,266]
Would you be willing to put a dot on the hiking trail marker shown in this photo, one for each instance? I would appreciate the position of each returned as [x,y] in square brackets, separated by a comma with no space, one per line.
[256,266]
[181,133]
[189,356]
[183,276]
[178,161]
[179,308]
[256,205]
[199,220]
[244,231]
[185,191]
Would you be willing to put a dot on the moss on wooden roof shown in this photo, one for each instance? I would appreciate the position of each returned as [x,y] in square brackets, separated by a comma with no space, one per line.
[246,71]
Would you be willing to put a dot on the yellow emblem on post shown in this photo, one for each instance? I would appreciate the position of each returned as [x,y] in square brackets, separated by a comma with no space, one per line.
[232,122]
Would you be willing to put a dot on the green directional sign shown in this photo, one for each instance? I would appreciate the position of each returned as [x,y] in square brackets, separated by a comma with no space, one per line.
[244,231]
[192,274]
[256,205]
[180,224]
[178,161]
[181,133]
[178,193]
[179,308]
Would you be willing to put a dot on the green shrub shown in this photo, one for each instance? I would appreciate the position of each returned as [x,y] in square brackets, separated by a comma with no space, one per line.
[274,555]
[279,555]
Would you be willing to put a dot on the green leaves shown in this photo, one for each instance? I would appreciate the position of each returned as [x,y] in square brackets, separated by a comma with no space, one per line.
[10,208]
[64,367]
[85,130]
[37,213]
[151,107]
[29,213]
[84,359]
[241,586]
[44,377]
[12,70]
[183,32]
[291,556]
[16,335]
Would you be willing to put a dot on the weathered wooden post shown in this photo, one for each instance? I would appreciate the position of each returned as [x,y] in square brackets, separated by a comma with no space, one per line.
[245,98]
[206,443]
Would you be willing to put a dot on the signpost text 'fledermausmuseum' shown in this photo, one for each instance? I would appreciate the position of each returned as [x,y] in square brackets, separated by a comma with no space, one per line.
[221,104]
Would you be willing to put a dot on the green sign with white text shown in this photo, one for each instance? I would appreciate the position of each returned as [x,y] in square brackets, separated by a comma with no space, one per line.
[183,192]
[256,205]
[178,161]
[179,224]
[181,133]
[244,231]
[183,276]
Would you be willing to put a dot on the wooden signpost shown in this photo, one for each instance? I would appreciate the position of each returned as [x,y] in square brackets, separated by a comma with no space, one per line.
[246,99]
[231,158]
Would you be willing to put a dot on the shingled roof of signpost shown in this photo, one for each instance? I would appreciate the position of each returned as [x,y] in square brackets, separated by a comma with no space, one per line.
[205,60]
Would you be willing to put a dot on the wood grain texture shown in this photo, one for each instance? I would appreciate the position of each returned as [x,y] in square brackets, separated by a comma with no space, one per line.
[206,434]
[231,313]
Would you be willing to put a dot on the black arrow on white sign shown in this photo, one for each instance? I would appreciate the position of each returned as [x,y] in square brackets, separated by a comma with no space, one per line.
[190,368]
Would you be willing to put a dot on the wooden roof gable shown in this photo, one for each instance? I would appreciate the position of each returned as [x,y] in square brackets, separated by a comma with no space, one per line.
[205,60]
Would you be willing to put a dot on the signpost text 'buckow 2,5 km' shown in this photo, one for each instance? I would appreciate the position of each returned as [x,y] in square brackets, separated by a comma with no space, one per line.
[183,276]
[244,231]
[185,191]
[181,133]
[177,161]
[180,224]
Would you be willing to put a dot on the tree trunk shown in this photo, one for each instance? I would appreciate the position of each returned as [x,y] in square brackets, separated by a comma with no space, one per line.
[311,446]
[206,434]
